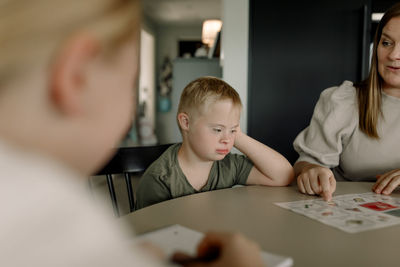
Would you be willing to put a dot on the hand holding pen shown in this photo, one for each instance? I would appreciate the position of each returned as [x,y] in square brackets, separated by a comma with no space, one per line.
[222,249]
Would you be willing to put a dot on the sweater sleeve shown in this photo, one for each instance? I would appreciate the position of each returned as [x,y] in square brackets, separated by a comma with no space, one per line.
[334,120]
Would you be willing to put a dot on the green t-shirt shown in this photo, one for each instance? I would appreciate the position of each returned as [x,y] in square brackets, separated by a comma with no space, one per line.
[165,180]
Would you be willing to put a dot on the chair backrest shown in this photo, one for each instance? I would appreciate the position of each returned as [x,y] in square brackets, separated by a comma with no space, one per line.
[127,161]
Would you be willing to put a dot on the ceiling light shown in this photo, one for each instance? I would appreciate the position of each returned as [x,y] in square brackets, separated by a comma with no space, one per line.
[377,16]
[210,31]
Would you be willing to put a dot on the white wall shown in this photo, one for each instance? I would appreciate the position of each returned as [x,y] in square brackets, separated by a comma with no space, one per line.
[167,40]
[148,25]
[235,16]
[147,74]
[132,137]
[167,45]
[235,39]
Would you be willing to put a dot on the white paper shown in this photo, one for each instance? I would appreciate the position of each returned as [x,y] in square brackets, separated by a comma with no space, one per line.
[179,238]
[351,213]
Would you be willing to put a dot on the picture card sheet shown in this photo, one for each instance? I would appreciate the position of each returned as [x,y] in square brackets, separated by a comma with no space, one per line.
[179,238]
[351,213]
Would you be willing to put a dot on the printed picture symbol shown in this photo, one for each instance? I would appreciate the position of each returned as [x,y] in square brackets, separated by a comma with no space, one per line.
[378,206]
[354,222]
[327,213]
[332,204]
[354,209]
[383,218]
[393,213]
[358,199]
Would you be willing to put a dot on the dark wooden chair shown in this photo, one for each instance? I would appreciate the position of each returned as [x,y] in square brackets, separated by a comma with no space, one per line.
[129,161]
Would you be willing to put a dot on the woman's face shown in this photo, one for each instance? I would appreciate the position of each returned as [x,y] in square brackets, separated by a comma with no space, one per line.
[389,54]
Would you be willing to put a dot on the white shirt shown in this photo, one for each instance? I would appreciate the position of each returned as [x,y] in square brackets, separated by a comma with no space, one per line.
[48,218]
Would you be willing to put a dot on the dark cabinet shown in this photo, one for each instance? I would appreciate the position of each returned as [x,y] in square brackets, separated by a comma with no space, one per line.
[297,49]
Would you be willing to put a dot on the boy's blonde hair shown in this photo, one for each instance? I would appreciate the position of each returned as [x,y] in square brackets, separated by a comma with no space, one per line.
[32,31]
[204,91]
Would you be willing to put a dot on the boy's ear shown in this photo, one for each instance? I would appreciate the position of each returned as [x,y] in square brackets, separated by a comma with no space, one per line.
[183,120]
[68,74]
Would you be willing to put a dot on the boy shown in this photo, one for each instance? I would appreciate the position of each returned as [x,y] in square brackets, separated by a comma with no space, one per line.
[208,118]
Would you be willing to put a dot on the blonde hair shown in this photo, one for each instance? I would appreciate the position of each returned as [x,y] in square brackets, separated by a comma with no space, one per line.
[32,31]
[204,91]
[369,91]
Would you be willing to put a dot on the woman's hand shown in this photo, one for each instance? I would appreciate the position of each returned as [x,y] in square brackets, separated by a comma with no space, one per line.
[387,182]
[314,179]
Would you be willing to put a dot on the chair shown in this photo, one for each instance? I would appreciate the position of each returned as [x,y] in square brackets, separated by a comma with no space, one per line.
[128,161]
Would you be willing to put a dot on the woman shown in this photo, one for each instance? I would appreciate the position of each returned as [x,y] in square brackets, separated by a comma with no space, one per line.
[67,72]
[354,132]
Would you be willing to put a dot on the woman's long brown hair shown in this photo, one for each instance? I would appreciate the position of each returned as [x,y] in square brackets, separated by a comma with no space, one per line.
[369,91]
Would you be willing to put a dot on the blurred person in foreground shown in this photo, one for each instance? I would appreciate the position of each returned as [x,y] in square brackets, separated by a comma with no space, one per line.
[67,72]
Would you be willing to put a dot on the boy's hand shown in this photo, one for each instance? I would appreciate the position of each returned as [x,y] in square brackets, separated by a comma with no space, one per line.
[315,179]
[238,136]
[387,182]
[223,249]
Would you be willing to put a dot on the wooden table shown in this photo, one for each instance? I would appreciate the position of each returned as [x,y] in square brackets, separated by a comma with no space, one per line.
[251,210]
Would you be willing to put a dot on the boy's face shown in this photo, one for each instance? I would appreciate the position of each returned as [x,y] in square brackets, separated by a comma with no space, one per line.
[211,135]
